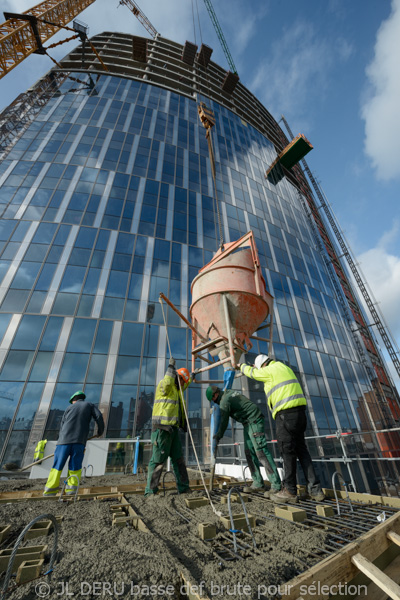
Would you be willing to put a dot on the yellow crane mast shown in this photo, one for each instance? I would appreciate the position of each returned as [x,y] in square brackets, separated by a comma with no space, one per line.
[23,34]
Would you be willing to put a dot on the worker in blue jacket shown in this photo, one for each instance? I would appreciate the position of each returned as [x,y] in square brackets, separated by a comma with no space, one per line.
[74,432]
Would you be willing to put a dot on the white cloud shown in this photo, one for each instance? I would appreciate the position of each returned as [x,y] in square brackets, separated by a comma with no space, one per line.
[299,62]
[380,108]
[381,268]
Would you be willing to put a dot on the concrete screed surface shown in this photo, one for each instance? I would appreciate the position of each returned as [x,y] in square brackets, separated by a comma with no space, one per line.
[97,560]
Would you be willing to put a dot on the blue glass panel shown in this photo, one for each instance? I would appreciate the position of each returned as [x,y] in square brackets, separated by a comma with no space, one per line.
[41,366]
[16,366]
[81,337]
[72,279]
[4,322]
[74,367]
[51,334]
[29,332]
[28,407]
[103,337]
[131,339]
[97,368]
[112,308]
[121,416]
[26,275]
[127,370]
[117,283]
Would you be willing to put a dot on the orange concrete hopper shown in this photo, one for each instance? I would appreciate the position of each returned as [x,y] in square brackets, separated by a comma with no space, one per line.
[229,302]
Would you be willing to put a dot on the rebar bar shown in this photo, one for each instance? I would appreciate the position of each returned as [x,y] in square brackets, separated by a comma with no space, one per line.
[339,476]
[19,540]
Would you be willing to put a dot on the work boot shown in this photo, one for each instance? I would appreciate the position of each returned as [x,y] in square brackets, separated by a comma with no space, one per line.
[254,487]
[318,497]
[283,497]
[270,492]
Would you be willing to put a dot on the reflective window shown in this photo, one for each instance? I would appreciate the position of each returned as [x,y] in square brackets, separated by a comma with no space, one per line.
[131,339]
[74,367]
[81,337]
[127,370]
[16,366]
[29,332]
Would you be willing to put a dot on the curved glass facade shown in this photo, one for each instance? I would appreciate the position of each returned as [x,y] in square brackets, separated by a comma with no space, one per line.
[107,200]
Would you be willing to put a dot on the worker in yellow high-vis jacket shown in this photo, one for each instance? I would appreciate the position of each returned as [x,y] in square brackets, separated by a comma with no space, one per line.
[286,400]
[167,418]
[39,450]
[74,432]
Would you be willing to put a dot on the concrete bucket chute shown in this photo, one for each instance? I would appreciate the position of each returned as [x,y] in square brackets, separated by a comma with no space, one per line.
[229,303]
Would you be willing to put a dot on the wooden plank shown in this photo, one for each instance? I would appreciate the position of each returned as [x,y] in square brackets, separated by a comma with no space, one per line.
[394,537]
[338,567]
[377,576]
[374,592]
[140,524]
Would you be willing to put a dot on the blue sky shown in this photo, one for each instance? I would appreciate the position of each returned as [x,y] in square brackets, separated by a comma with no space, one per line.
[331,67]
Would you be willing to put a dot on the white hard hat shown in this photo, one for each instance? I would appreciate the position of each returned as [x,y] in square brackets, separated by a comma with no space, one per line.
[260,360]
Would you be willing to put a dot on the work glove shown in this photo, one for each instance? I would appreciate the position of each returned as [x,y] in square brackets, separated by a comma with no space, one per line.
[184,427]
[193,375]
[237,367]
[216,438]
[171,362]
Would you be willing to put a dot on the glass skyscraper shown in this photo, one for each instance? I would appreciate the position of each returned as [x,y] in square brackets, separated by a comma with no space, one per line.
[107,200]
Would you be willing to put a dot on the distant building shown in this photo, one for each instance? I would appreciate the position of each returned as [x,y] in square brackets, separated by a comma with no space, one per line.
[107,200]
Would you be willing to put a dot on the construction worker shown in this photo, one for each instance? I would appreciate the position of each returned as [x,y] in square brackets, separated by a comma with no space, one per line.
[233,404]
[167,418]
[39,450]
[287,403]
[74,431]
[119,458]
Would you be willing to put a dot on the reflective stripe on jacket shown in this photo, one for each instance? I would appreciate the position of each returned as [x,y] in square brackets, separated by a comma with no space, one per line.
[281,386]
[168,402]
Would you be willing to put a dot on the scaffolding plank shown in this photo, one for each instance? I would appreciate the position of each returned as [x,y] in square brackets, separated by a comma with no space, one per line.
[377,576]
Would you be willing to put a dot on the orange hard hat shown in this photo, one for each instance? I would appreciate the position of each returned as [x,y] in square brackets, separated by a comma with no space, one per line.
[184,373]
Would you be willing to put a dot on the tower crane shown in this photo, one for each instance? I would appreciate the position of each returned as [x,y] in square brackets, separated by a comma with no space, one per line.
[139,14]
[23,34]
[220,35]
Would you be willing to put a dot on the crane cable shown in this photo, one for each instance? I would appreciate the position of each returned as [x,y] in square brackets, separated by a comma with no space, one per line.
[216,512]
[209,139]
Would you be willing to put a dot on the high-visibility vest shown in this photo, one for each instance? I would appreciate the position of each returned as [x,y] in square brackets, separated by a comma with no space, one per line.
[168,403]
[39,450]
[281,386]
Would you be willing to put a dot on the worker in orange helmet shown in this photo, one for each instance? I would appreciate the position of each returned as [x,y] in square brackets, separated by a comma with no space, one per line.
[167,418]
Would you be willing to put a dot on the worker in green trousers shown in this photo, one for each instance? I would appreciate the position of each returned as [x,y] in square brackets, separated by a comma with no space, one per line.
[167,418]
[234,404]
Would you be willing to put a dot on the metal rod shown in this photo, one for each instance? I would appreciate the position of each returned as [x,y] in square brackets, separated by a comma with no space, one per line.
[184,319]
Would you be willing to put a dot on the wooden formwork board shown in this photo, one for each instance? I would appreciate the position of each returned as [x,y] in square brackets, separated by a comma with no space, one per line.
[390,501]
[340,567]
[92,491]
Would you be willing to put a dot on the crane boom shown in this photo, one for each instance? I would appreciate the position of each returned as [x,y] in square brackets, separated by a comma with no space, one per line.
[21,35]
[140,16]
[220,35]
